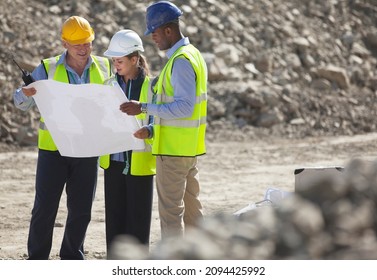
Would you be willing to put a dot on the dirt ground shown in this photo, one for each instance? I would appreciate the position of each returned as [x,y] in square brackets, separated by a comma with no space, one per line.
[233,174]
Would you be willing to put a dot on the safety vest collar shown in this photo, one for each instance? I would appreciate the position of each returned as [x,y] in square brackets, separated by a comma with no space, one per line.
[51,64]
[182,42]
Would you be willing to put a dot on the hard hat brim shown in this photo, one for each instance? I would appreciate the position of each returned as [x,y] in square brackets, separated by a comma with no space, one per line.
[109,53]
[147,32]
[79,42]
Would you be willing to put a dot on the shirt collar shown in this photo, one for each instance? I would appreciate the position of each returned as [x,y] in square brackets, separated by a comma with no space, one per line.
[62,61]
[183,42]
[138,80]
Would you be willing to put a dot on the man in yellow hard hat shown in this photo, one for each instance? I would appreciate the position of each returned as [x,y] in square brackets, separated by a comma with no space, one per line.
[76,65]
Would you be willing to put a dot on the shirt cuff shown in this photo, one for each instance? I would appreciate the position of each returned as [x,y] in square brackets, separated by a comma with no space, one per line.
[150,131]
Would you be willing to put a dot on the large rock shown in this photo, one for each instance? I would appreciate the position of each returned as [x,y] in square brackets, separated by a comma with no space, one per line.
[334,74]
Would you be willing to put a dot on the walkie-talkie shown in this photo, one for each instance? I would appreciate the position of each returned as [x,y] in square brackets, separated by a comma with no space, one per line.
[26,76]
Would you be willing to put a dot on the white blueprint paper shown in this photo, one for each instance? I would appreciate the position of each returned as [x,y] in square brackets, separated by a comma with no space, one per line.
[85,120]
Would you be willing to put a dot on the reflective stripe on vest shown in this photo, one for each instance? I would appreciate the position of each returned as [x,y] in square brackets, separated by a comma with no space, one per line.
[142,161]
[99,71]
[184,136]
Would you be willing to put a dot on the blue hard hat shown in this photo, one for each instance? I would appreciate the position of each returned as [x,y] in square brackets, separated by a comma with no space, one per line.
[160,13]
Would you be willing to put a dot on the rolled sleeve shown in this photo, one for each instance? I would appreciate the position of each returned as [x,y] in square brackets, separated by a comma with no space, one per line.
[21,101]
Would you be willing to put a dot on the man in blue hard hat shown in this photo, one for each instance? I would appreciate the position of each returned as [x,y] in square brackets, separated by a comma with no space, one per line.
[180,111]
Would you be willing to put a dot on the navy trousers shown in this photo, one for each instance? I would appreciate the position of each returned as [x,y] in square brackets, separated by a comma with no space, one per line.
[128,204]
[79,176]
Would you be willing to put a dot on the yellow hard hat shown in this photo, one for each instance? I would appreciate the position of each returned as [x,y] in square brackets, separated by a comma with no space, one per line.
[77,30]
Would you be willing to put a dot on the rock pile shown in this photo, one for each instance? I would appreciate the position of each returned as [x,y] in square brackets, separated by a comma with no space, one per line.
[333,217]
[291,68]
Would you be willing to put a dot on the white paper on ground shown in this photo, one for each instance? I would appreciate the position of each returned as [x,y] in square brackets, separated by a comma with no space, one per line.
[85,120]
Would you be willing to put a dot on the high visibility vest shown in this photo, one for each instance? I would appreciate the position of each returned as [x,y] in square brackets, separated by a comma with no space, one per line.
[183,136]
[99,71]
[142,161]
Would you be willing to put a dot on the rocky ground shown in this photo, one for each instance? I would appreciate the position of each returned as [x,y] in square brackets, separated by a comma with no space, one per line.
[292,68]
[299,70]
[337,222]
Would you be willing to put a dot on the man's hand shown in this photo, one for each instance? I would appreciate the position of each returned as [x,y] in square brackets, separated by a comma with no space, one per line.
[131,108]
[142,133]
[29,91]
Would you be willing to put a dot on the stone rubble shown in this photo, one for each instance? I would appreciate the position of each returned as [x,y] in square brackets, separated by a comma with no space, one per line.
[276,68]
[331,218]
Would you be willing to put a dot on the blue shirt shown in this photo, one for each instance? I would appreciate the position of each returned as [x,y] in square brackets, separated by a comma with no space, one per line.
[184,85]
[24,102]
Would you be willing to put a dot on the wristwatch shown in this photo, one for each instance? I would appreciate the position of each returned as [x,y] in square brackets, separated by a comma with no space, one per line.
[144,108]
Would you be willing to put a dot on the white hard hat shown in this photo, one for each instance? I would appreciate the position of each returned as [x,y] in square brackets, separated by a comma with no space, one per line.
[123,43]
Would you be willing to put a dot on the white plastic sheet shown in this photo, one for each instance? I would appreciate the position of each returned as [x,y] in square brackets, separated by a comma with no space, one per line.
[85,120]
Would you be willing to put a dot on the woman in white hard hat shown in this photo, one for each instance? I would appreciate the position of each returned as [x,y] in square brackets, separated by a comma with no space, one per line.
[129,175]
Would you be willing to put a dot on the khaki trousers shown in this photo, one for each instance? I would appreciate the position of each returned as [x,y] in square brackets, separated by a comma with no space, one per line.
[177,182]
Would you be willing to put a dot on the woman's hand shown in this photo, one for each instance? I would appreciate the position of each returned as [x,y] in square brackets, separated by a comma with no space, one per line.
[142,133]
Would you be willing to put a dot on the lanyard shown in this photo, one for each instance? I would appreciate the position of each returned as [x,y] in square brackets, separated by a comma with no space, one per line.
[127,167]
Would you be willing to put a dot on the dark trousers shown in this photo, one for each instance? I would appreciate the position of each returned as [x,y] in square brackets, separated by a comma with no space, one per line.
[79,175]
[128,204]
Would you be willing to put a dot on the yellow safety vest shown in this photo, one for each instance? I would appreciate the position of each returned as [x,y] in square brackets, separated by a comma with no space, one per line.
[184,136]
[142,161]
[99,71]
